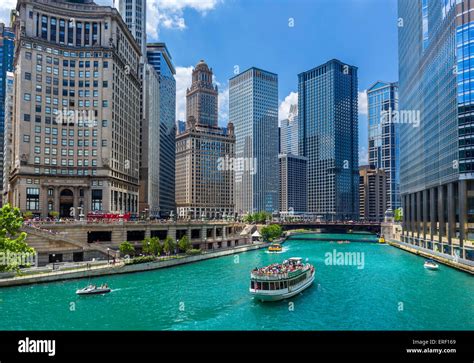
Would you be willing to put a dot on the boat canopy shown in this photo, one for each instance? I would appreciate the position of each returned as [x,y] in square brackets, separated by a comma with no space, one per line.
[256,234]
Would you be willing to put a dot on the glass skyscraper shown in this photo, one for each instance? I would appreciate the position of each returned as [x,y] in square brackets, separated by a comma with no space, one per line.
[436,85]
[253,108]
[159,57]
[328,137]
[384,136]
[289,132]
[7,48]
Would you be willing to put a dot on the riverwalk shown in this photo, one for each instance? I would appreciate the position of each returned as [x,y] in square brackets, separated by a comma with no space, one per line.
[458,263]
[121,267]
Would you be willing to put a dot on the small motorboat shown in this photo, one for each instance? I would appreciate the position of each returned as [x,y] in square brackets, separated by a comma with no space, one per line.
[431,265]
[94,290]
[381,239]
[275,247]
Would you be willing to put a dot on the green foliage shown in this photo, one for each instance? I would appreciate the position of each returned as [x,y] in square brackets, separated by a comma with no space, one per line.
[184,244]
[12,240]
[152,246]
[398,215]
[126,248]
[269,233]
[169,245]
[54,214]
[27,215]
[259,217]
[193,252]
[141,259]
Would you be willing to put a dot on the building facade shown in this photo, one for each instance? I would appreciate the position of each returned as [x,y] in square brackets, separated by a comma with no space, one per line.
[204,155]
[8,135]
[372,194]
[289,132]
[7,49]
[159,58]
[77,106]
[293,183]
[436,139]
[328,137]
[384,136]
[134,14]
[253,108]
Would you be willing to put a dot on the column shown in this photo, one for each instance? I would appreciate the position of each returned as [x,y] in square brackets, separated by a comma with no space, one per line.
[451,214]
[56,199]
[433,217]
[441,212]
[425,216]
[462,185]
[418,214]
[413,214]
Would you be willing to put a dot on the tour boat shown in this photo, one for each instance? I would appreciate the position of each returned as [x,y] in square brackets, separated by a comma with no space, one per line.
[281,281]
[431,265]
[381,239]
[93,290]
[275,247]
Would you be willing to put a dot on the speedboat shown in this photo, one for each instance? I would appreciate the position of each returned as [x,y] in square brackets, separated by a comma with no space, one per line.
[281,281]
[94,290]
[431,265]
[275,247]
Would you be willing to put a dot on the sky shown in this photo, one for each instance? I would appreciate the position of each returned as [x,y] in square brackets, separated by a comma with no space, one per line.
[282,36]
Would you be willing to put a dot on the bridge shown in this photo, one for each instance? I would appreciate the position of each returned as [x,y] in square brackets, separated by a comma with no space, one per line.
[333,226]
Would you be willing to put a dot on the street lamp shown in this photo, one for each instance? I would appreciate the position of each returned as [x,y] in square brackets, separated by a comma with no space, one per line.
[54,259]
[108,259]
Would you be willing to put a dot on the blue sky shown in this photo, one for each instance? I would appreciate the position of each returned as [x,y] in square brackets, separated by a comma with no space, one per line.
[245,33]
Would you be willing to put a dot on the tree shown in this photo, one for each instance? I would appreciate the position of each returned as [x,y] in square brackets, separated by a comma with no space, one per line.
[54,214]
[126,248]
[152,246]
[271,232]
[398,216]
[28,215]
[13,248]
[184,244]
[169,245]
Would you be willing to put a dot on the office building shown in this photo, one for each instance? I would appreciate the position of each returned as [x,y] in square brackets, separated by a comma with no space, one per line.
[293,183]
[328,137]
[384,136]
[8,135]
[436,98]
[372,194]
[253,108]
[76,117]
[204,155]
[289,132]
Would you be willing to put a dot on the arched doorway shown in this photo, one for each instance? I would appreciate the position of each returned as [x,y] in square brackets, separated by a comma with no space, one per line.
[66,202]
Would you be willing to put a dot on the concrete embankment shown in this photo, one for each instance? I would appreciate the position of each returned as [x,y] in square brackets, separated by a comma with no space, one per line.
[460,264]
[123,268]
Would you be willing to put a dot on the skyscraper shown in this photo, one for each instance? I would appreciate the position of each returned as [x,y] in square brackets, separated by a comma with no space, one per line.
[372,194]
[159,58]
[8,132]
[7,48]
[134,14]
[327,114]
[293,183]
[76,117]
[253,108]
[204,154]
[384,136]
[289,132]
[436,139]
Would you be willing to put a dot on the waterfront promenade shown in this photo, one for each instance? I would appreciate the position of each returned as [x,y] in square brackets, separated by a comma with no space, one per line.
[87,270]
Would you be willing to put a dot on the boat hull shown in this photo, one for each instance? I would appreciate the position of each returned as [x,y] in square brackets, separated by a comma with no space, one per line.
[431,267]
[263,295]
[94,292]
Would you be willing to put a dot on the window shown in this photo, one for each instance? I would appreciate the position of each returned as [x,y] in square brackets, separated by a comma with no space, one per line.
[26,138]
[27,97]
[32,198]
[96,199]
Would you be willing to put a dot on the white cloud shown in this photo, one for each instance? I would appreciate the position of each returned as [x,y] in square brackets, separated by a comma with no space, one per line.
[362,102]
[363,156]
[170,13]
[167,14]
[5,8]
[284,109]
[223,115]
[183,82]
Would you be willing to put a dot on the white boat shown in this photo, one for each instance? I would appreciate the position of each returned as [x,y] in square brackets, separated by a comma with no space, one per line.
[431,265]
[281,281]
[93,290]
